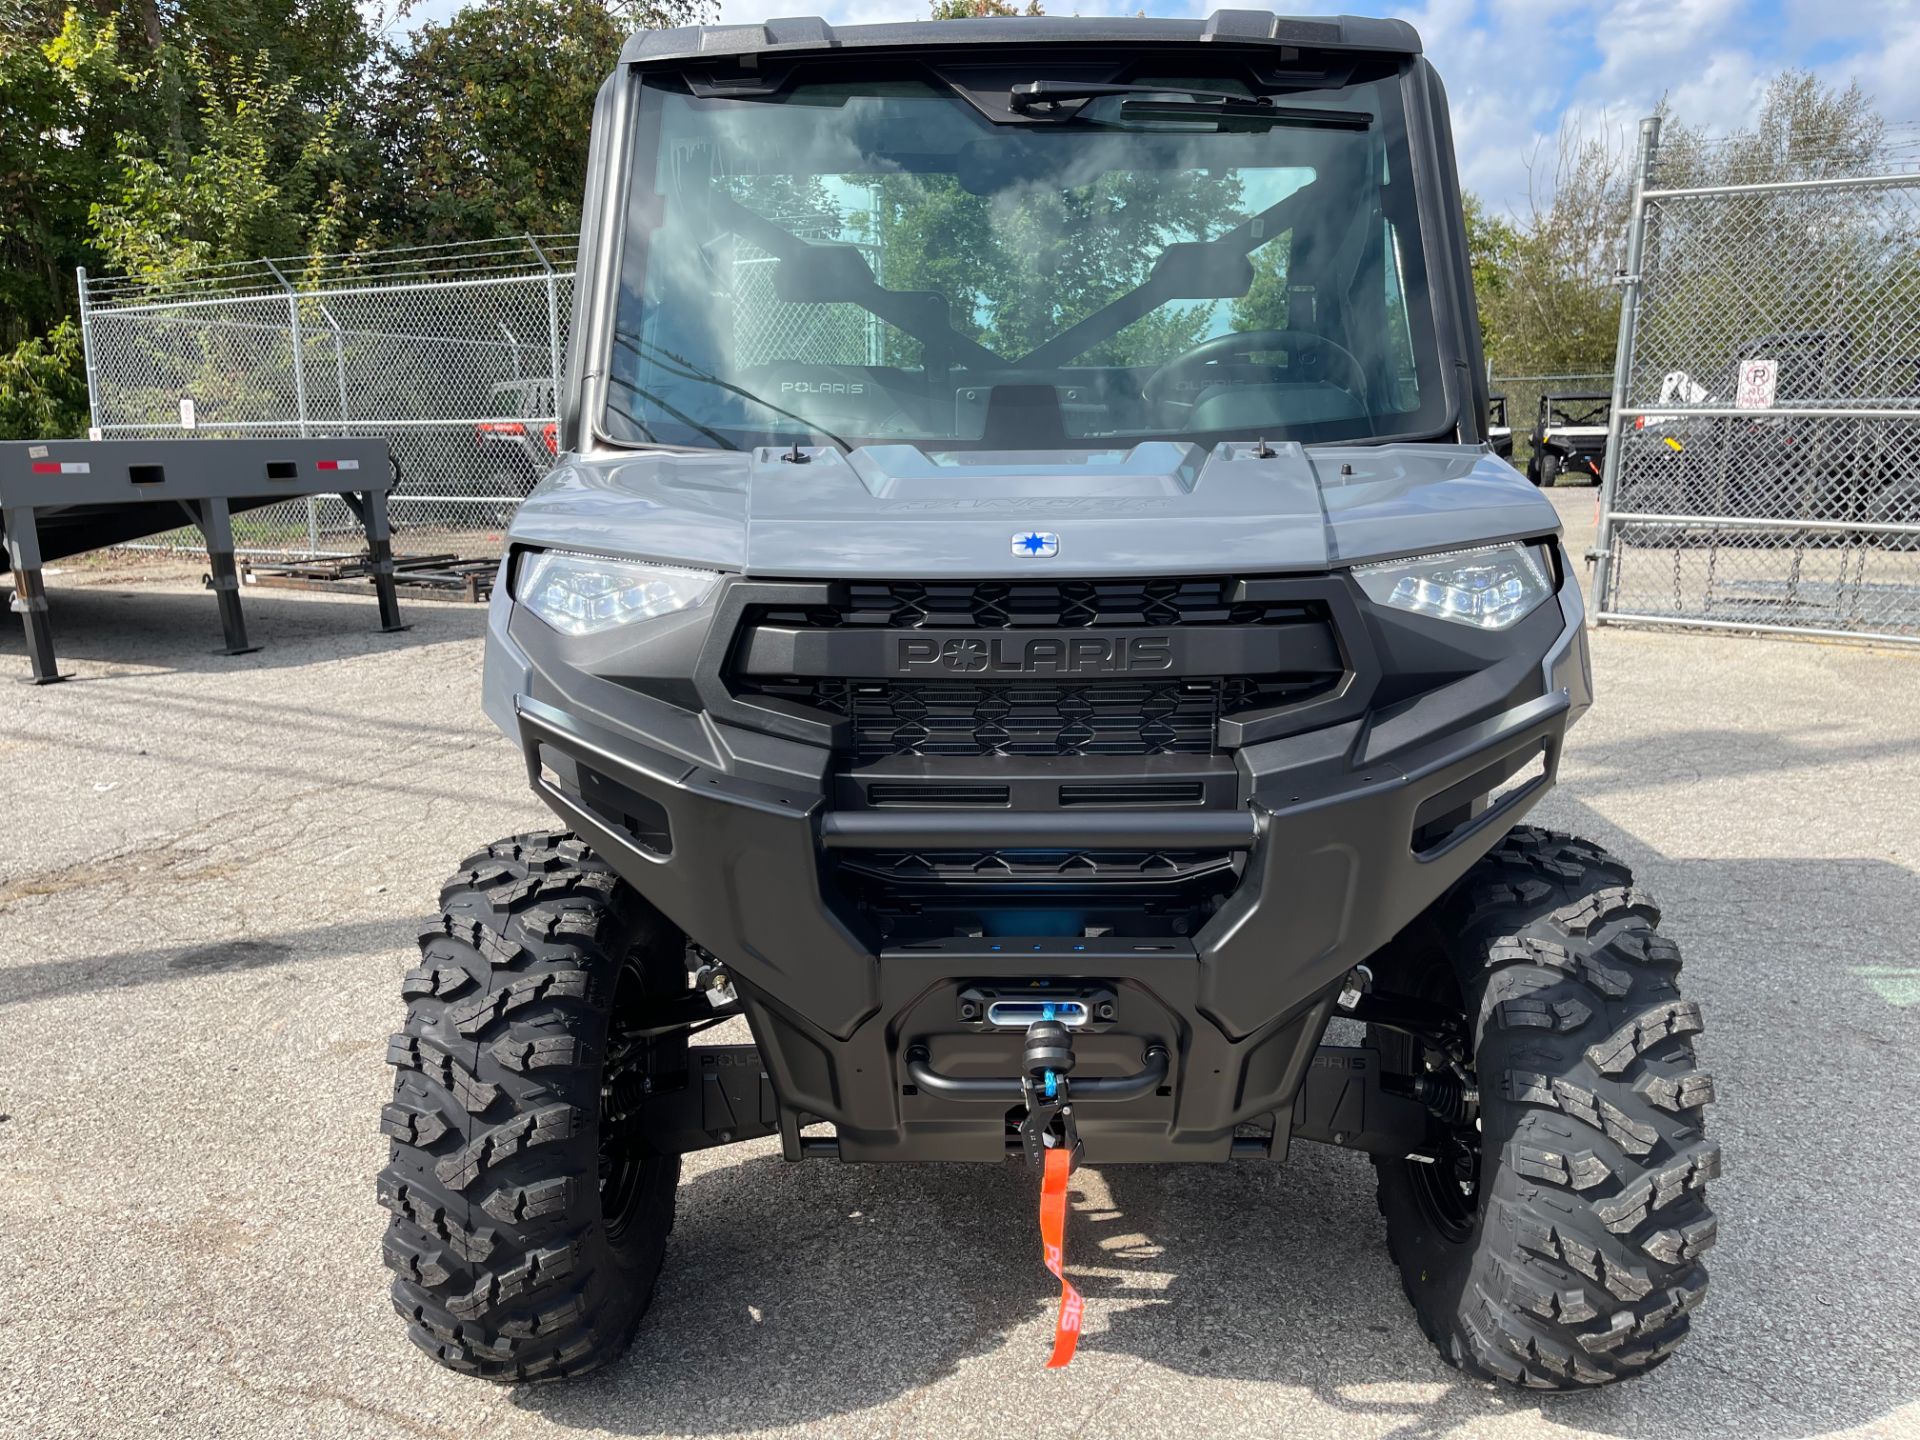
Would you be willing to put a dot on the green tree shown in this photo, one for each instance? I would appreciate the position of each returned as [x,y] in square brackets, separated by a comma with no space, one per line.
[977,9]
[1265,306]
[1492,245]
[43,386]
[1545,280]
[483,118]
[64,96]
[129,128]
[236,195]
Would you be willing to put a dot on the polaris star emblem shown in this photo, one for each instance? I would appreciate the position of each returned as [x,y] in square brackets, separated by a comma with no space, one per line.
[1037,544]
[964,654]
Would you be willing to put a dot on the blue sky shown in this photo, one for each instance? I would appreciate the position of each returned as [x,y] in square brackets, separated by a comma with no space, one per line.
[1514,68]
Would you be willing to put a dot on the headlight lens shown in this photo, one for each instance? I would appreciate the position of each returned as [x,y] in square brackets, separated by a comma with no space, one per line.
[585,594]
[1490,588]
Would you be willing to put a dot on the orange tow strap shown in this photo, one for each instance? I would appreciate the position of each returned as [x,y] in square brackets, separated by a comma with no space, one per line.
[1053,1240]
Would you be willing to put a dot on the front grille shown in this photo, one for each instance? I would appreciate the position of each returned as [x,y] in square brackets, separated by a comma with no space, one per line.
[1130,793]
[1058,605]
[922,796]
[1040,712]
[1054,868]
[954,718]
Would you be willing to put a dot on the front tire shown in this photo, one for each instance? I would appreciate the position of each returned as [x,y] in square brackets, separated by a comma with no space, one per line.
[525,1239]
[1558,1246]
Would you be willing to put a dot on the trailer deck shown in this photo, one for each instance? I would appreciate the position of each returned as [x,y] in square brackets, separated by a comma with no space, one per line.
[62,497]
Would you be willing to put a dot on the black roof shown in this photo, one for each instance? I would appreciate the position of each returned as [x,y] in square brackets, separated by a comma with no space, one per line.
[809,33]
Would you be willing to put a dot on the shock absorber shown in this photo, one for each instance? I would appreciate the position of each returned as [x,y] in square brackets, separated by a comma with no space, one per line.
[1447,1096]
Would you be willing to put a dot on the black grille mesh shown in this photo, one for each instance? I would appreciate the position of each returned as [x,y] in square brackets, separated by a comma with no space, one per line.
[1059,605]
[1113,717]
[1040,867]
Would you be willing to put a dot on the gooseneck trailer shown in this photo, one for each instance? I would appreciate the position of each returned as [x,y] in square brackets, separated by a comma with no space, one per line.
[63,497]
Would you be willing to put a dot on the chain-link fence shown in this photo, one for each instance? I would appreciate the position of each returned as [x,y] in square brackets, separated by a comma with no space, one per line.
[1764,465]
[450,353]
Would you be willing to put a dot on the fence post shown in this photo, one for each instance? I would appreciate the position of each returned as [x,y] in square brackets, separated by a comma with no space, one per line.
[553,327]
[339,362]
[299,391]
[299,345]
[86,348]
[340,382]
[1631,285]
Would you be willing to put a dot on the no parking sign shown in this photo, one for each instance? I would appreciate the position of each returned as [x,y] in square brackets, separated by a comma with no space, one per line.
[1757,381]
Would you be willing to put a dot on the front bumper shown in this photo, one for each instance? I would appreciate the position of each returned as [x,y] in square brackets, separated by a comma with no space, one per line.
[729,830]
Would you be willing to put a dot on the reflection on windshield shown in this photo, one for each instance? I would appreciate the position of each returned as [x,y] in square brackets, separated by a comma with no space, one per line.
[849,264]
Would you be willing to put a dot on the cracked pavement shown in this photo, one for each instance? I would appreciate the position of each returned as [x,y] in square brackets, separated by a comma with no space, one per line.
[213,873]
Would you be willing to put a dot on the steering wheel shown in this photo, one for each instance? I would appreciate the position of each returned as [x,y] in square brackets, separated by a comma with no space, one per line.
[1244,344]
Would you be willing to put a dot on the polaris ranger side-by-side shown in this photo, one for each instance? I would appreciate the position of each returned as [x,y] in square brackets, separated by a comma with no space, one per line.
[1570,438]
[1027,616]
[1499,428]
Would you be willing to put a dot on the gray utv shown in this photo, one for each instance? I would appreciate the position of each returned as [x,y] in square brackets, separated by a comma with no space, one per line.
[1026,617]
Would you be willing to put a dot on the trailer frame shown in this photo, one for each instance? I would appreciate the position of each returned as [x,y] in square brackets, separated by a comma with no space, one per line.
[90,494]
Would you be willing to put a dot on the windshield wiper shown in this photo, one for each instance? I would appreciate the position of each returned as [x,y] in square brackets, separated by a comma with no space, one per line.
[1198,104]
[678,365]
[1246,113]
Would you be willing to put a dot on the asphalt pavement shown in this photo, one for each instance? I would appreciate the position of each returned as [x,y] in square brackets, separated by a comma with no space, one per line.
[212,872]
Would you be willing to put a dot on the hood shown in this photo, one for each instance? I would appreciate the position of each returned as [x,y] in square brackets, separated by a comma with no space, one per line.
[1162,508]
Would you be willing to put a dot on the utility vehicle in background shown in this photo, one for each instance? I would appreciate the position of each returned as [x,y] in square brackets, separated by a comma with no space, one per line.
[1570,438]
[521,436]
[1027,616]
[1760,464]
[1499,428]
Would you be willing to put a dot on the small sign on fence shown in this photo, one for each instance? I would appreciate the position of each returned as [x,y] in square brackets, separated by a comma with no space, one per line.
[1757,381]
[187,421]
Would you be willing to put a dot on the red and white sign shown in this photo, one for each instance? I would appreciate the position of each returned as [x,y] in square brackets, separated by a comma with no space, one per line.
[1757,381]
[62,467]
[336,464]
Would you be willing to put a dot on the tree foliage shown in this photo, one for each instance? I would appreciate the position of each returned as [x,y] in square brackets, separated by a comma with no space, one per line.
[154,135]
[43,386]
[64,95]
[977,9]
[242,191]
[1546,279]
[483,119]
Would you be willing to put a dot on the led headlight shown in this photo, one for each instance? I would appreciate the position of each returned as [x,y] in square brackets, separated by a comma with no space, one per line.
[1490,588]
[585,594]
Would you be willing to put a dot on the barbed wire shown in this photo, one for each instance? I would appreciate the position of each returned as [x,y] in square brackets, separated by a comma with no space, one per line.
[454,262]
[1747,158]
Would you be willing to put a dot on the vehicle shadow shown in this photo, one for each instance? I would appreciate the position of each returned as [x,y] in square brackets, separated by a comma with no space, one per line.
[799,1294]
[178,629]
[217,955]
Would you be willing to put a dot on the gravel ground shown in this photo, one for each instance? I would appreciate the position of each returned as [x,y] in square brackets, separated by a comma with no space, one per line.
[213,874]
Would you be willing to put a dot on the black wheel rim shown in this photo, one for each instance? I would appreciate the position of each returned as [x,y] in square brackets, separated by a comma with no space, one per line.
[1448,1190]
[623,1161]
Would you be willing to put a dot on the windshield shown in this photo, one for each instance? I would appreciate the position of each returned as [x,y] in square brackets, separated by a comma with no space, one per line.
[878,262]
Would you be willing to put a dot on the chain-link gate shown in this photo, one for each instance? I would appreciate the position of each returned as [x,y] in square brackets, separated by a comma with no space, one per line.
[1763,472]
[450,353]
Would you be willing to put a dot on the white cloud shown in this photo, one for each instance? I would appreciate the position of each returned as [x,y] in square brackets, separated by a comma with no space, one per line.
[1885,66]
[1514,68]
